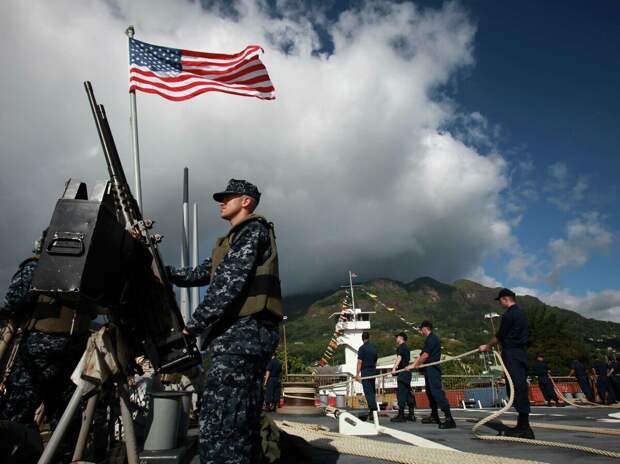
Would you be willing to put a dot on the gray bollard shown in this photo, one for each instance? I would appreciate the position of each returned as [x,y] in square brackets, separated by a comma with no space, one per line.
[166,411]
[186,403]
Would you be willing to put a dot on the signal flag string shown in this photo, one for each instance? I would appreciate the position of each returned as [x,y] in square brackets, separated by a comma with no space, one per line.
[391,309]
[332,346]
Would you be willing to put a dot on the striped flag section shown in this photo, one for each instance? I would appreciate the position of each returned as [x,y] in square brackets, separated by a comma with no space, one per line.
[178,75]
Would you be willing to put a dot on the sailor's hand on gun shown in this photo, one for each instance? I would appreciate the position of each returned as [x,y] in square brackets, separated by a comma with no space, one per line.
[484,348]
[186,332]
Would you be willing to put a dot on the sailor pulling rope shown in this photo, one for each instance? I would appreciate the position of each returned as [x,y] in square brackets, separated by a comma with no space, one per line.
[317,436]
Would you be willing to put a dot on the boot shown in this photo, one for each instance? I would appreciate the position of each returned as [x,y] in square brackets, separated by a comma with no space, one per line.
[448,422]
[433,418]
[522,430]
[411,417]
[400,417]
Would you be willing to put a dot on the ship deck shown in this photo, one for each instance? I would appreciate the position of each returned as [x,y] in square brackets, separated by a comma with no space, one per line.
[298,451]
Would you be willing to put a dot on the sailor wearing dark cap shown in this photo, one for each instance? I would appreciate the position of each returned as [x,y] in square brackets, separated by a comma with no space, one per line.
[431,352]
[237,189]
[403,384]
[512,335]
[238,320]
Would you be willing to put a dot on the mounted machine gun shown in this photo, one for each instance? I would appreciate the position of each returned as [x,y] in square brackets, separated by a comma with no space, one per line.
[99,253]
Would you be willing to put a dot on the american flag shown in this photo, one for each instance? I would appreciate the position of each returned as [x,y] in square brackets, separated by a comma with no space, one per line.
[178,74]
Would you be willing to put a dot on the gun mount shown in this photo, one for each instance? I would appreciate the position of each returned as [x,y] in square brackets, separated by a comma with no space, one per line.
[99,253]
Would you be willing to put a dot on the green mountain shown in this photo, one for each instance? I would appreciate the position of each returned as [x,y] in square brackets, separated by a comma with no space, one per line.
[457,311]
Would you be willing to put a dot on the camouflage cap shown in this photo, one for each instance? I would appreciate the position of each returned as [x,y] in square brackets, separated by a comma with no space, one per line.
[238,187]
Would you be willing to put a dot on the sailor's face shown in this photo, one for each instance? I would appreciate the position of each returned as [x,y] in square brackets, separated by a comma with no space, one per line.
[230,206]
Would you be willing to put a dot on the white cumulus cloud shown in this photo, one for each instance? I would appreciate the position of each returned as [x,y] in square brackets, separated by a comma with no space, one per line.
[598,305]
[355,168]
[584,236]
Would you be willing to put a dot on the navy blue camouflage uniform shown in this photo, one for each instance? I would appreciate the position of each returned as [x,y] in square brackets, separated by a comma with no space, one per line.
[44,362]
[513,335]
[367,353]
[240,348]
[544,382]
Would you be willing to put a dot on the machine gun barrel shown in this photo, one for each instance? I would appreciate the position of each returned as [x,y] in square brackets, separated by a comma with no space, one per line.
[151,291]
[127,204]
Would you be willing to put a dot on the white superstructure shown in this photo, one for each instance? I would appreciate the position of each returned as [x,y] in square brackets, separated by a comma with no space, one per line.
[355,322]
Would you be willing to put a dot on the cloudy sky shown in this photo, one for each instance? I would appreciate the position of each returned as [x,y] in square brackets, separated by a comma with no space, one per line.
[409,139]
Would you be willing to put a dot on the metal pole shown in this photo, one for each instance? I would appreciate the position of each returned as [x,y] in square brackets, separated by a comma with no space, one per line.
[61,428]
[130,433]
[185,304]
[87,419]
[195,290]
[133,122]
[352,295]
[285,351]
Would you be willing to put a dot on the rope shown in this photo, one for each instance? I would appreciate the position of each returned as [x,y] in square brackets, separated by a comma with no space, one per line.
[489,418]
[554,444]
[421,366]
[584,403]
[321,437]
[573,428]
[396,313]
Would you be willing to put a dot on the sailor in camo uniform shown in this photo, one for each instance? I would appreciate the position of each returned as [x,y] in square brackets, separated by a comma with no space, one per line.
[47,355]
[238,320]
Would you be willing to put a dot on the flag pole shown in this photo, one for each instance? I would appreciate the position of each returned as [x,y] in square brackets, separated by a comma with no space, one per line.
[185,302]
[133,121]
[352,294]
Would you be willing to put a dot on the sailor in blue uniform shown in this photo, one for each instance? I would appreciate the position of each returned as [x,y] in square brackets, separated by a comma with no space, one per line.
[512,335]
[273,384]
[367,366]
[431,352]
[541,370]
[578,370]
[614,377]
[601,371]
[403,388]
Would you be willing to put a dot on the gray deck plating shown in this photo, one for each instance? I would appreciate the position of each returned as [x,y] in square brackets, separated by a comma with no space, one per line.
[460,438]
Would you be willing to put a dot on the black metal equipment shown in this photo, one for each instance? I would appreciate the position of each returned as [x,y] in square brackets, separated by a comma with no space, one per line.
[99,252]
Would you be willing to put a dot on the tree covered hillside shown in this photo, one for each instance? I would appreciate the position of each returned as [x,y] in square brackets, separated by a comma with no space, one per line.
[457,312]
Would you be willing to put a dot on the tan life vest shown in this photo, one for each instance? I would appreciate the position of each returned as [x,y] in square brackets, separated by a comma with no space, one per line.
[54,318]
[262,292]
